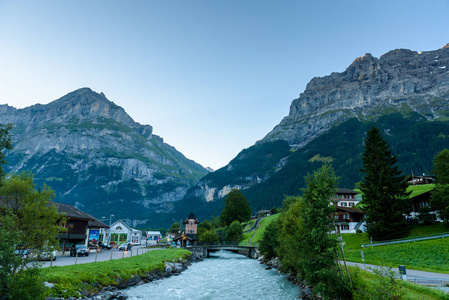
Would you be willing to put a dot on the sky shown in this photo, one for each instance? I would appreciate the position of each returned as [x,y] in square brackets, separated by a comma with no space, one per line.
[211,77]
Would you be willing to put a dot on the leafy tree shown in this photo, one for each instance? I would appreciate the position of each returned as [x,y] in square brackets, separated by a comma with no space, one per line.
[5,143]
[306,245]
[234,232]
[270,241]
[174,228]
[385,199]
[29,221]
[236,208]
[440,194]
[208,236]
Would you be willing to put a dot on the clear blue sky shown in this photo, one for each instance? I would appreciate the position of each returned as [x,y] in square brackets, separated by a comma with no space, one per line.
[211,77]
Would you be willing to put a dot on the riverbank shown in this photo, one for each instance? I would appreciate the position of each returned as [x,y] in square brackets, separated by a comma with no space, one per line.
[103,280]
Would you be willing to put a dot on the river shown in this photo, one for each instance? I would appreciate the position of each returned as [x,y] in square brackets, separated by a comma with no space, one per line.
[225,275]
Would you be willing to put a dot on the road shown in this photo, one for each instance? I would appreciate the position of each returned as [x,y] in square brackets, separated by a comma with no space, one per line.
[104,255]
[419,277]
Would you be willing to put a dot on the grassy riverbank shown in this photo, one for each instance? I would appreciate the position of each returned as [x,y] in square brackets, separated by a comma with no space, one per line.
[69,280]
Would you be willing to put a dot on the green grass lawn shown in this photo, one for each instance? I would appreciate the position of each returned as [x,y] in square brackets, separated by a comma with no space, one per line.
[259,232]
[430,255]
[411,291]
[69,280]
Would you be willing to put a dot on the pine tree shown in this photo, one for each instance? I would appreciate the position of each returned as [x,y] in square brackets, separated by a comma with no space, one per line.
[385,199]
[440,194]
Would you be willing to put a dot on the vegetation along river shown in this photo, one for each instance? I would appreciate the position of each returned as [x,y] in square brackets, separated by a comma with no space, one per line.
[225,275]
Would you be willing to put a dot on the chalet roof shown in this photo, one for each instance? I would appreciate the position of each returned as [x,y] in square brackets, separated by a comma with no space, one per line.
[96,223]
[264,211]
[345,191]
[349,209]
[73,212]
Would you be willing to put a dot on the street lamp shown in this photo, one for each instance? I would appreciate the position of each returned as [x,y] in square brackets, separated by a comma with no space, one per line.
[109,230]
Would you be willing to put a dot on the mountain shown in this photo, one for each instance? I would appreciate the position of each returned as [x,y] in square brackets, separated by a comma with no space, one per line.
[404,92]
[92,153]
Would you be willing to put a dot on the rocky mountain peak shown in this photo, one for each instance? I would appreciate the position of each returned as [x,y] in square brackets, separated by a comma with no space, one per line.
[400,79]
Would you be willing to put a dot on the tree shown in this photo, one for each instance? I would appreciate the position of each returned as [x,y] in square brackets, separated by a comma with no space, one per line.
[270,241]
[385,196]
[208,236]
[29,221]
[5,143]
[174,228]
[307,246]
[236,208]
[234,232]
[440,194]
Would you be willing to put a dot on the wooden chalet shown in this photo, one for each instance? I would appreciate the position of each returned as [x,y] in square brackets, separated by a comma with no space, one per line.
[345,197]
[77,226]
[348,219]
[420,180]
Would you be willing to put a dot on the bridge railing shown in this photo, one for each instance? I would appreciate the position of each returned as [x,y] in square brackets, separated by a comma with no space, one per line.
[228,243]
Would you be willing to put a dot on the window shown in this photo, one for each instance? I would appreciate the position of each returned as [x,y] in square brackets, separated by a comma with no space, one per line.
[191,224]
[118,228]
[351,204]
[344,204]
[344,227]
[336,217]
[191,232]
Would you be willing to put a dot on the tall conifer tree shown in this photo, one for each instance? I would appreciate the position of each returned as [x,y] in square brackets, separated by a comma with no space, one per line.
[385,196]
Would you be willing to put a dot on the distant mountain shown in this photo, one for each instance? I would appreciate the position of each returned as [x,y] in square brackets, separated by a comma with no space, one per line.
[92,153]
[405,93]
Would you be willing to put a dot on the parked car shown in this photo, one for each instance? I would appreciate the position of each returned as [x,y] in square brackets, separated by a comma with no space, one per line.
[80,250]
[23,253]
[104,246]
[136,243]
[47,253]
[125,247]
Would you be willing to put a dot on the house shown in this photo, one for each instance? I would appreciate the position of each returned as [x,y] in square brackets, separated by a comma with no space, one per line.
[422,198]
[77,226]
[153,237]
[264,213]
[122,233]
[420,180]
[191,224]
[348,220]
[346,198]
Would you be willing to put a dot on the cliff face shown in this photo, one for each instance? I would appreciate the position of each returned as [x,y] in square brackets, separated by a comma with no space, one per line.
[401,80]
[96,157]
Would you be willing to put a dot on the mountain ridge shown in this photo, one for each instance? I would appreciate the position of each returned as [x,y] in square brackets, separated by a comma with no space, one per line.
[97,157]
[410,84]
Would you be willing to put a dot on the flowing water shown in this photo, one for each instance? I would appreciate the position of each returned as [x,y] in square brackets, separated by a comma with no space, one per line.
[225,275]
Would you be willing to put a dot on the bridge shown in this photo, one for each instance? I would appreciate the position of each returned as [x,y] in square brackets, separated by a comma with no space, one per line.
[204,249]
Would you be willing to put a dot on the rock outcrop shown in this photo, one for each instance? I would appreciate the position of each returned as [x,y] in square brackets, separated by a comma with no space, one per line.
[92,153]
[401,80]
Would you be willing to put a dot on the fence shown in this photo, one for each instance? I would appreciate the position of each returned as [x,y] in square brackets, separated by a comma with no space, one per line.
[409,240]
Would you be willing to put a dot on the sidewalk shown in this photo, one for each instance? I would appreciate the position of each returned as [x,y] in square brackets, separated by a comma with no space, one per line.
[416,276]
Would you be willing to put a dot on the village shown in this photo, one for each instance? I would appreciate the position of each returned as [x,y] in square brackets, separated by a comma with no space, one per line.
[84,229]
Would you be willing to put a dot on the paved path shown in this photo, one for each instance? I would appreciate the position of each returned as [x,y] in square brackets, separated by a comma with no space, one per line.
[421,277]
[104,255]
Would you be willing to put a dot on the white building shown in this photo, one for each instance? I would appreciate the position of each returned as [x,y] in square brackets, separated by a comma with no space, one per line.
[122,233]
[153,237]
